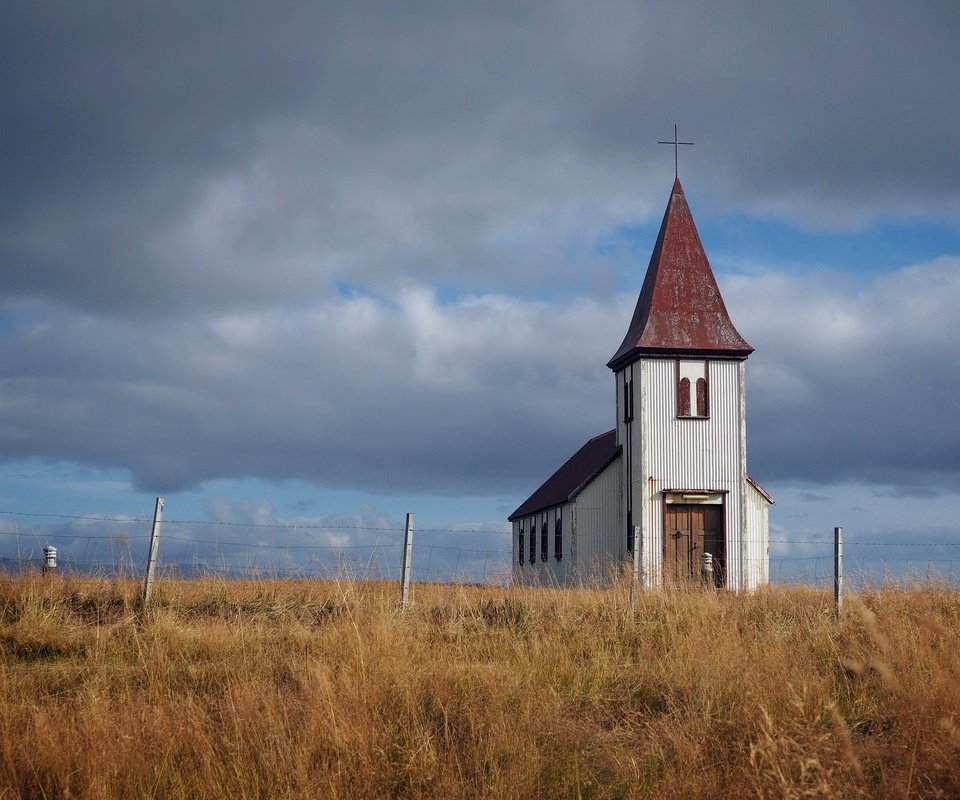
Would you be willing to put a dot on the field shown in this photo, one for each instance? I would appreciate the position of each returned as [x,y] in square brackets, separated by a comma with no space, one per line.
[319,689]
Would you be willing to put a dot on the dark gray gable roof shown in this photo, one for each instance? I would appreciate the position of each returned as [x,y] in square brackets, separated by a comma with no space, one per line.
[574,476]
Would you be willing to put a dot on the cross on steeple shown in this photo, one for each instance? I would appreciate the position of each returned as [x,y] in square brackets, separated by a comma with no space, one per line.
[676,150]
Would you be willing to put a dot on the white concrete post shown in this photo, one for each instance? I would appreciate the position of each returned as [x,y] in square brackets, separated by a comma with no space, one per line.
[49,559]
[706,569]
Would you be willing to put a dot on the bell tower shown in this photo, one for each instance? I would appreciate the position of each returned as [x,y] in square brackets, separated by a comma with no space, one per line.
[681,421]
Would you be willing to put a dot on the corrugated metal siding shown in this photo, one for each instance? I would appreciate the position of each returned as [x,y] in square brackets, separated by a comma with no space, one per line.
[694,454]
[596,516]
[758,541]
[629,461]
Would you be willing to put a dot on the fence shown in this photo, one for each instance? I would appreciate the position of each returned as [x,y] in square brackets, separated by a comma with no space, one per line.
[864,561]
[194,548]
[118,545]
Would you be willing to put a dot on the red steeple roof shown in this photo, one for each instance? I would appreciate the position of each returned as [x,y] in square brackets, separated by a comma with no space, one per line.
[680,310]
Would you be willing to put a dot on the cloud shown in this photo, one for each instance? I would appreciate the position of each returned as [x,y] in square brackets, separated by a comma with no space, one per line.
[167,160]
[813,497]
[483,394]
[412,394]
[361,244]
[854,380]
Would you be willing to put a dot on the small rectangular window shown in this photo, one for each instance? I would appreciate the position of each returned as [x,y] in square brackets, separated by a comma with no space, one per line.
[544,539]
[558,537]
[629,531]
[627,399]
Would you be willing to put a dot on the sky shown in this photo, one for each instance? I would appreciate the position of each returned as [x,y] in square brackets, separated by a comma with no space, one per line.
[317,265]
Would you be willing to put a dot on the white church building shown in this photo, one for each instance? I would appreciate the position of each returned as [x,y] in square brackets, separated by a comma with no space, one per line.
[671,478]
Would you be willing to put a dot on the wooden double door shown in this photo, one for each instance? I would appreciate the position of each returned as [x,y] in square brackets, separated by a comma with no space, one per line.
[690,531]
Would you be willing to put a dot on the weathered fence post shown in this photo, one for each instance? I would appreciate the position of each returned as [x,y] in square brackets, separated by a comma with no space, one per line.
[838,570]
[706,569]
[152,555]
[407,563]
[635,586]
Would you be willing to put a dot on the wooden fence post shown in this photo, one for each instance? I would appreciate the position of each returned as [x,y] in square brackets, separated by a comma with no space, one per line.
[152,555]
[838,570]
[407,563]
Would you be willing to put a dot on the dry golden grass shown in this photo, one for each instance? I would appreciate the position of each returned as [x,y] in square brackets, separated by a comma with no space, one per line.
[303,689]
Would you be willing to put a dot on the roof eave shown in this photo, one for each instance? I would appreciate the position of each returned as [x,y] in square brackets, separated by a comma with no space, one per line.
[763,492]
[616,364]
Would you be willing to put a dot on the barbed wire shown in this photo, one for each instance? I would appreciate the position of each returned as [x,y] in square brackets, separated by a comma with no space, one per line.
[76,536]
[83,550]
[273,525]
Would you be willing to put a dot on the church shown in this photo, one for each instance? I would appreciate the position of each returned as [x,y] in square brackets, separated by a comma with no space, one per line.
[670,482]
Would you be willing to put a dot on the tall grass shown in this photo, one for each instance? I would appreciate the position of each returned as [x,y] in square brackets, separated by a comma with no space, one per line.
[297,689]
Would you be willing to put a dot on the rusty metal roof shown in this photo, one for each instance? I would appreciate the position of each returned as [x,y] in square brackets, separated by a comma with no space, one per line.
[680,310]
[572,478]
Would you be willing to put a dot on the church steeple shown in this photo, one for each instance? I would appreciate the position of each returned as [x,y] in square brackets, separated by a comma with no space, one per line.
[680,311]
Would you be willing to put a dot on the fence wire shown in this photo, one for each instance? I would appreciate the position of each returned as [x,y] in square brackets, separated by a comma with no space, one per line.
[117,545]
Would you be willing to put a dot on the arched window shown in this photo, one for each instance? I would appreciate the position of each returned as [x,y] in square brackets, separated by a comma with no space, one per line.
[544,539]
[684,397]
[629,531]
[558,537]
[533,540]
[703,405]
[520,545]
[693,389]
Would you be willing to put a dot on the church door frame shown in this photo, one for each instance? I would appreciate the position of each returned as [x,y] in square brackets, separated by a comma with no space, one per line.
[702,530]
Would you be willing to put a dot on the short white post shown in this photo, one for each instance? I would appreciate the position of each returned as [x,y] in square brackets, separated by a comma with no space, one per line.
[635,586]
[49,559]
[838,570]
[152,555]
[407,562]
[706,570]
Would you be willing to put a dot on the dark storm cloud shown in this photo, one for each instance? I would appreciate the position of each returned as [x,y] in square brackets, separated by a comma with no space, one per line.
[217,221]
[855,382]
[169,157]
[413,396]
[481,395]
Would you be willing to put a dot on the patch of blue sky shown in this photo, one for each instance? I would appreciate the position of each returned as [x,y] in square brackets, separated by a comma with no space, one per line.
[301,499]
[735,241]
[348,290]
[747,244]
[35,486]
[877,544]
[461,538]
